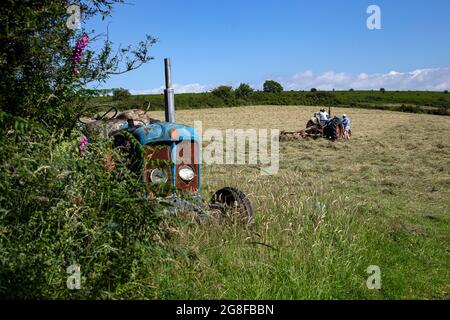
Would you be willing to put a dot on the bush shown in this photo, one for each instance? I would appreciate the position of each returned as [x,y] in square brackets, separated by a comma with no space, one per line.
[223,92]
[313,90]
[121,94]
[59,209]
[244,91]
[446,91]
[44,65]
[272,87]
[383,90]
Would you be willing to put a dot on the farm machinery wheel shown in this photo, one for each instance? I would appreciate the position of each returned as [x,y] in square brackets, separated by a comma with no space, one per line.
[133,151]
[233,204]
[333,129]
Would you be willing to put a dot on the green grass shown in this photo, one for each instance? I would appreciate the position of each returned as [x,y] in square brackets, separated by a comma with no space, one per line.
[332,210]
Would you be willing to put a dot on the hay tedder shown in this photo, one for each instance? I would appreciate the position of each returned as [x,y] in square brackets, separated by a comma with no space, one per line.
[332,129]
[165,155]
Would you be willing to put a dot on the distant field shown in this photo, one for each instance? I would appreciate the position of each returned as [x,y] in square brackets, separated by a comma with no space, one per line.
[406,101]
[333,209]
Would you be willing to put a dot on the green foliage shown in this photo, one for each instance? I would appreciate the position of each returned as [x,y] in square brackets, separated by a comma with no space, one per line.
[224,92]
[383,90]
[37,77]
[244,91]
[58,208]
[272,87]
[121,94]
[313,90]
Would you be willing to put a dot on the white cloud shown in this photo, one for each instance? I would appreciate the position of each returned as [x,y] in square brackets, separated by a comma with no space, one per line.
[421,79]
[437,79]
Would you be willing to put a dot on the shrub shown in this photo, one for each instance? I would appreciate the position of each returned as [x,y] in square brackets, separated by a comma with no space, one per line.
[44,65]
[121,94]
[59,209]
[243,91]
[223,92]
[272,87]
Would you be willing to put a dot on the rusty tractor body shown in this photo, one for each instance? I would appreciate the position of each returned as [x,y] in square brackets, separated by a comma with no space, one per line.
[165,153]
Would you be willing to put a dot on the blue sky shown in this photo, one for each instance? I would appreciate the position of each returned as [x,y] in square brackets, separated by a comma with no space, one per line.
[320,43]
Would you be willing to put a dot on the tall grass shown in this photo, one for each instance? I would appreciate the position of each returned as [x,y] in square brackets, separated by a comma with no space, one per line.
[333,210]
[59,209]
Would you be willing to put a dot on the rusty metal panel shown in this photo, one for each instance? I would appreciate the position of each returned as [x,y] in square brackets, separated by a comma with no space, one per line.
[187,153]
[157,152]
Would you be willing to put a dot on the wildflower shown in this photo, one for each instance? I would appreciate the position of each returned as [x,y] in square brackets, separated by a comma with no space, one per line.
[84,142]
[77,53]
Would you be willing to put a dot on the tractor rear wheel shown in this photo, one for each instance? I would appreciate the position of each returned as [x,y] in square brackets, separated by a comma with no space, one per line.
[132,150]
[233,204]
[331,130]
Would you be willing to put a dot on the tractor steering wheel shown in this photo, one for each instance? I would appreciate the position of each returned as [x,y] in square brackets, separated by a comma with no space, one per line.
[102,117]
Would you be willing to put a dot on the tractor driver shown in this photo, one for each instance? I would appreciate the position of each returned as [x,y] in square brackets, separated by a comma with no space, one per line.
[323,116]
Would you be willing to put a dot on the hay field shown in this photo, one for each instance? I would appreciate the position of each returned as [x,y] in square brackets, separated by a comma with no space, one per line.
[334,209]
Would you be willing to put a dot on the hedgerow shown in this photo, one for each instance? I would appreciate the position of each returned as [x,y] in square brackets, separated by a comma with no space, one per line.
[59,208]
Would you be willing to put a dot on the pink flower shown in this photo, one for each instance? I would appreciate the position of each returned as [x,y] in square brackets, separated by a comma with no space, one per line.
[84,142]
[77,53]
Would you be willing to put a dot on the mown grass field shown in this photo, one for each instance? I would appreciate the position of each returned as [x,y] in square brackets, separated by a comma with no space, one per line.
[333,209]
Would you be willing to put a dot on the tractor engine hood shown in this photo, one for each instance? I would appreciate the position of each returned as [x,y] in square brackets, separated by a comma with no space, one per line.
[160,132]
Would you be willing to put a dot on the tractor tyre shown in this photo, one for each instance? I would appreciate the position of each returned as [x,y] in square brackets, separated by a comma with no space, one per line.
[131,149]
[330,130]
[233,204]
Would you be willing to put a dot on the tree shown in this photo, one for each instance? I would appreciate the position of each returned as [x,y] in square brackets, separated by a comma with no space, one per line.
[446,91]
[223,92]
[383,90]
[243,91]
[313,90]
[272,86]
[45,65]
[121,94]
[351,90]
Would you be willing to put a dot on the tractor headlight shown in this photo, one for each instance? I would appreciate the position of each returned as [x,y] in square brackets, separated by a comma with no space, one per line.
[186,173]
[158,176]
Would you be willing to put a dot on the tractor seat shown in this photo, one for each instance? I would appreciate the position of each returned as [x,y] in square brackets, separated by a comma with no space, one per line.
[139,117]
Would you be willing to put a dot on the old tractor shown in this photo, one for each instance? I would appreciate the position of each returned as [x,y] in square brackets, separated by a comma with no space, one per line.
[332,129]
[166,153]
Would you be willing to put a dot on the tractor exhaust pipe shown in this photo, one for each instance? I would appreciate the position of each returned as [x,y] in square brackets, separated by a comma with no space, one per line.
[169,94]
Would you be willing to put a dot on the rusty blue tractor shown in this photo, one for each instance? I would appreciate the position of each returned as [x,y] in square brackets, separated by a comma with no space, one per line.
[167,153]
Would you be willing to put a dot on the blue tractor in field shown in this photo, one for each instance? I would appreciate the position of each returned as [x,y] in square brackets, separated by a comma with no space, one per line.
[165,153]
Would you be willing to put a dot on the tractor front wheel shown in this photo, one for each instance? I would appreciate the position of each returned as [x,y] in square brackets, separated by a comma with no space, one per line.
[233,204]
